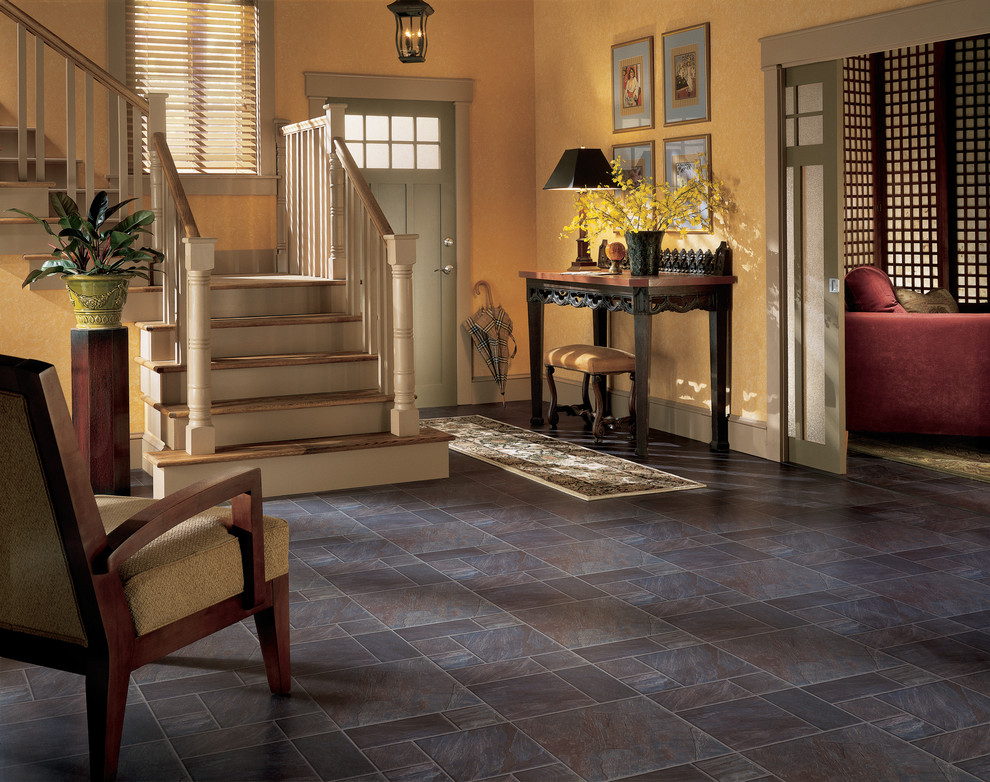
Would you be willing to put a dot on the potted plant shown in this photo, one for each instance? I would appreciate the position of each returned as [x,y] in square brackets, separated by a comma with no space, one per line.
[644,211]
[97,258]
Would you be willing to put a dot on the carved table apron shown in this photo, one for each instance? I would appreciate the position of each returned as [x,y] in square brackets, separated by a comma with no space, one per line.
[641,297]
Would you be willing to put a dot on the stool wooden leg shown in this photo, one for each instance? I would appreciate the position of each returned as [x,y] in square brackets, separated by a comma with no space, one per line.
[598,427]
[552,416]
[585,400]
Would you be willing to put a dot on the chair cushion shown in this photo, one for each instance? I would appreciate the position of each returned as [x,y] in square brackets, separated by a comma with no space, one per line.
[936,300]
[593,359]
[193,566]
[869,289]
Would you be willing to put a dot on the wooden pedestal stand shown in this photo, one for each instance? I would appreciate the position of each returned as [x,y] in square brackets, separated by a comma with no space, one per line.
[100,406]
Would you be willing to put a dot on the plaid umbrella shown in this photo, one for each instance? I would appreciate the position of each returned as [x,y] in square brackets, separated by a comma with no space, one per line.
[491,329]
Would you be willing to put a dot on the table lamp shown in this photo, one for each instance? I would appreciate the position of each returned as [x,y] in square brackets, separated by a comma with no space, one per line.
[581,169]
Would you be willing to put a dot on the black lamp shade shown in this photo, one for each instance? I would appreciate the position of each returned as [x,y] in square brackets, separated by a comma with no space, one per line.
[410,29]
[581,169]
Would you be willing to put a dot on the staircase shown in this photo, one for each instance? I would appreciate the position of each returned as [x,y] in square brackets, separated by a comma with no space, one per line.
[304,371]
[295,394]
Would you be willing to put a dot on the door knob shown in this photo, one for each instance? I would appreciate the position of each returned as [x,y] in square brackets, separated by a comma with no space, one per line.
[446,269]
[448,242]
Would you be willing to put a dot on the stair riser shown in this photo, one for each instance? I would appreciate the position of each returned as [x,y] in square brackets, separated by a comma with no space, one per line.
[30,199]
[170,388]
[276,301]
[23,239]
[8,139]
[320,471]
[272,341]
[276,425]
[54,172]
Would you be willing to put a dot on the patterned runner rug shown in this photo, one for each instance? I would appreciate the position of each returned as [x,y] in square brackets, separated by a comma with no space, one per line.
[578,471]
[967,457]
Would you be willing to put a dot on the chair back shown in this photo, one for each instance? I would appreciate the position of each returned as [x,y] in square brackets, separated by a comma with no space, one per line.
[49,523]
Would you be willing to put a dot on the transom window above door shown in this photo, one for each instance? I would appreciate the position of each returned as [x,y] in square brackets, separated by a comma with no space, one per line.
[377,141]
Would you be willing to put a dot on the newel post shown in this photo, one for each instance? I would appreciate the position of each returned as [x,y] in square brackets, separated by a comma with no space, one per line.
[200,433]
[335,176]
[401,255]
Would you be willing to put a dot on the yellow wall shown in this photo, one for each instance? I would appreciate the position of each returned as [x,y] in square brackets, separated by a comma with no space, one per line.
[573,108]
[542,84]
[345,36]
[488,41]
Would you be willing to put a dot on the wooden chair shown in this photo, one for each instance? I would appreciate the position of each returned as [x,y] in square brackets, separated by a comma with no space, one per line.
[100,586]
[596,363]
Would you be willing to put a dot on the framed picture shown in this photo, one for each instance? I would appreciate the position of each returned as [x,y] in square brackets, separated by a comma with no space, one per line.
[632,85]
[637,160]
[679,157]
[686,76]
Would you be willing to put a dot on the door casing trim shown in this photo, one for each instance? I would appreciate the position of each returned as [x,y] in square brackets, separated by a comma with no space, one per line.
[340,86]
[938,21]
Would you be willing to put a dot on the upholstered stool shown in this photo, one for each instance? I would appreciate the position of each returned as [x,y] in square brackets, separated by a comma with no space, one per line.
[596,363]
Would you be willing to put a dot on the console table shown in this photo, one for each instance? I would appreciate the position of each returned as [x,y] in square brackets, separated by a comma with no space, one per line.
[642,297]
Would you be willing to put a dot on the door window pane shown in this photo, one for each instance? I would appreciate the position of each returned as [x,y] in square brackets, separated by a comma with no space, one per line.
[428,156]
[427,129]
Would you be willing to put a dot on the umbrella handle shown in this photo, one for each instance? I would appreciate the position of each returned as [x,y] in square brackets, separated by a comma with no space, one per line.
[488,292]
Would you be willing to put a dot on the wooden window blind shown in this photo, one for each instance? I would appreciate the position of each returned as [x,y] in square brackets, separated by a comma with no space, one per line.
[972,169]
[858,148]
[204,54]
[912,248]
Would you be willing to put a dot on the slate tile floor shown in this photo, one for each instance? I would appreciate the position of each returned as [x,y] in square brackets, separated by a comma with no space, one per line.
[780,624]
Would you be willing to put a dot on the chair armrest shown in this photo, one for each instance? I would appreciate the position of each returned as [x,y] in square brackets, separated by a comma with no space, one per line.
[242,487]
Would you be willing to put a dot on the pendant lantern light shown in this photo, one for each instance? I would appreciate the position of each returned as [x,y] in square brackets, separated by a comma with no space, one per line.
[410,29]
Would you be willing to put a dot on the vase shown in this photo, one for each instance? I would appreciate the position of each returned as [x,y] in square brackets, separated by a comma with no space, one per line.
[643,249]
[97,299]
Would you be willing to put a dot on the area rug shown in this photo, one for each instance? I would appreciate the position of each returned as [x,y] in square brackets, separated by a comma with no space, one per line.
[578,471]
[967,457]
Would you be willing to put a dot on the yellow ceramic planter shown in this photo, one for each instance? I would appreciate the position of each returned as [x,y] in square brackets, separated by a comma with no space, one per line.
[97,299]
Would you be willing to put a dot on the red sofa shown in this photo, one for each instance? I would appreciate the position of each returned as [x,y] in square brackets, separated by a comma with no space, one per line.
[916,372]
[925,373]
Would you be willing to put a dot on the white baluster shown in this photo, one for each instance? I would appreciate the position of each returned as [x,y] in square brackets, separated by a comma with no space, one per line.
[200,432]
[281,229]
[39,110]
[71,182]
[401,253]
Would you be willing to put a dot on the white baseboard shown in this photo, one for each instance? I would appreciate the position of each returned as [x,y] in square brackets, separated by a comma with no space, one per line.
[745,435]
[484,390]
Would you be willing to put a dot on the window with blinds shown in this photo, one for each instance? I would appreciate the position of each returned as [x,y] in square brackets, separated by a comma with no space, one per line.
[204,55]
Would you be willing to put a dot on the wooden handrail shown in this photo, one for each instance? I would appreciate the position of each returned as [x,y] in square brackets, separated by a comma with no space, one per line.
[74,55]
[300,127]
[362,189]
[189,227]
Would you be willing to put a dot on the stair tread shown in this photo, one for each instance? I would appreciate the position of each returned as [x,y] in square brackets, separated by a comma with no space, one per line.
[250,362]
[264,403]
[340,443]
[250,321]
[24,220]
[235,281]
[6,183]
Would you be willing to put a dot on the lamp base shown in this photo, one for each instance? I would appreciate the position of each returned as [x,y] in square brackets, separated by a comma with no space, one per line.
[581,264]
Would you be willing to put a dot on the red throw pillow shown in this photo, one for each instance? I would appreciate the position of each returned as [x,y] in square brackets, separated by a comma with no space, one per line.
[869,289]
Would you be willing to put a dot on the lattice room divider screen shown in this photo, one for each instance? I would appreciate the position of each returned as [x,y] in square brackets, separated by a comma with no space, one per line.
[894,186]
[972,168]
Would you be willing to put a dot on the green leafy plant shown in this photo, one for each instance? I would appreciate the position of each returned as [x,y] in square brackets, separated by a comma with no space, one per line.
[89,244]
[642,205]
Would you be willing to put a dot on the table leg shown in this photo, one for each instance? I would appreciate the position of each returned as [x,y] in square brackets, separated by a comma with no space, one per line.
[643,339]
[534,313]
[718,338]
[599,327]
